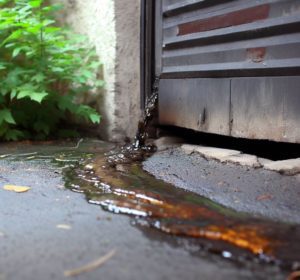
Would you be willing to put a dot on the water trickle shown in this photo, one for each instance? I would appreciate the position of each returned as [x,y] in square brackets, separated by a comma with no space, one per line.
[151,104]
[138,150]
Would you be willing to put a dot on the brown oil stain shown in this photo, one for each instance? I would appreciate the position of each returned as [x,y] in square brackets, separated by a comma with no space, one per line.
[133,192]
[129,190]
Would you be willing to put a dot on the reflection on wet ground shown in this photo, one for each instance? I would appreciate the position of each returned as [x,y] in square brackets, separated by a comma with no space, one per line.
[119,185]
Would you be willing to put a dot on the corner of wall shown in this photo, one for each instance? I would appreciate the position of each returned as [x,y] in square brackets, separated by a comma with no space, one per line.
[113,26]
[127,95]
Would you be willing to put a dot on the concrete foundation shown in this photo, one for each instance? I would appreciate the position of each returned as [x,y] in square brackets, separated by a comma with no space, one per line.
[113,26]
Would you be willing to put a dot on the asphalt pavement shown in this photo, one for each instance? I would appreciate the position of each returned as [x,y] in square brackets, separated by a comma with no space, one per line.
[49,229]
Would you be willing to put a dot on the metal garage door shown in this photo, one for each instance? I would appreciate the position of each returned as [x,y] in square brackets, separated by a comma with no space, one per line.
[230,67]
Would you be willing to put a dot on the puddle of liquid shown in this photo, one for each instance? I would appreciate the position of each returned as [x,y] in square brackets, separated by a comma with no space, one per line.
[118,184]
[124,188]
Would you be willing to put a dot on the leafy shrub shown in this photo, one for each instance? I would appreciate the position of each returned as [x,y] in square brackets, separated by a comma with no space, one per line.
[43,67]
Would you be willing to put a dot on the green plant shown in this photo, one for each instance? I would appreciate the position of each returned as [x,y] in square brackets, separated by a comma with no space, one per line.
[43,67]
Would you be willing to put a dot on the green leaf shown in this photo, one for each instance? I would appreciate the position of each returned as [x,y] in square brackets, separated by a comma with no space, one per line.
[39,77]
[35,96]
[95,118]
[10,45]
[6,116]
[13,94]
[15,35]
[51,29]
[48,22]
[35,3]
[87,74]
[23,94]
[57,69]
[99,83]
[16,52]
[66,103]
[34,29]
[95,64]
[38,96]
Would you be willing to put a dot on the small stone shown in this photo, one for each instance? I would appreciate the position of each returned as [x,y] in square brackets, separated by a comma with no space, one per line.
[63,226]
[89,167]
[287,167]
[188,149]
[209,152]
[120,168]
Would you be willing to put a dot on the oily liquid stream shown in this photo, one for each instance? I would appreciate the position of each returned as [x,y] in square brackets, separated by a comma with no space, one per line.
[123,187]
[126,189]
[138,150]
[151,104]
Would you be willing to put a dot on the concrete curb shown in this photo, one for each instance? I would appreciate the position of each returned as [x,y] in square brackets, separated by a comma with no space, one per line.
[286,167]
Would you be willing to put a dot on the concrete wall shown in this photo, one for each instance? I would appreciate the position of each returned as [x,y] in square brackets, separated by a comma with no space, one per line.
[114,27]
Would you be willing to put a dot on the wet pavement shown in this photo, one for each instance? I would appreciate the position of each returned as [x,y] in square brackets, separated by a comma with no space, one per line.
[50,229]
[256,191]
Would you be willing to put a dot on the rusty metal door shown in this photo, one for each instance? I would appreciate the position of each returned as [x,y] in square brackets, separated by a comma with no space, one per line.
[230,67]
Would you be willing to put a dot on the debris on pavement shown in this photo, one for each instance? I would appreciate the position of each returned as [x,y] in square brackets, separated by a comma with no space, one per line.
[91,266]
[17,189]
[64,226]
[264,197]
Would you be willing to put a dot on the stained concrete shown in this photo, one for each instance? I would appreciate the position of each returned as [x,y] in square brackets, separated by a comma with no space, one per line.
[256,191]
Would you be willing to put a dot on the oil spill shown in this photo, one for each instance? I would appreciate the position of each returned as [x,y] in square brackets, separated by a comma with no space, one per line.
[124,188]
[114,179]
